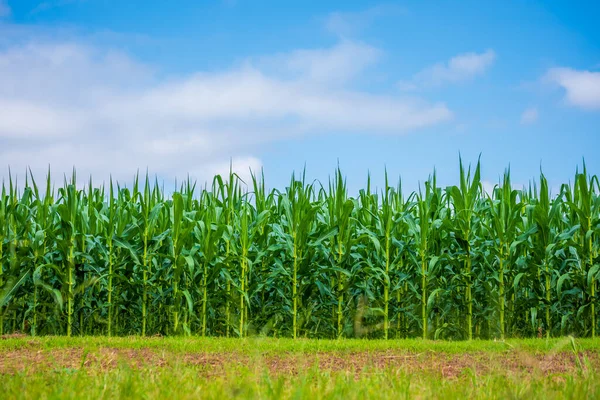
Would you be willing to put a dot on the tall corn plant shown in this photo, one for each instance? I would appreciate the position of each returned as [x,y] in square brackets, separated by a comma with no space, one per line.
[8,258]
[380,260]
[4,217]
[68,211]
[273,260]
[387,225]
[245,242]
[93,199]
[18,228]
[264,204]
[464,201]
[505,222]
[402,241]
[367,274]
[526,283]
[341,228]
[251,228]
[586,205]
[110,215]
[293,232]
[44,218]
[121,254]
[230,199]
[545,214]
[422,229]
[208,232]
[149,237]
[181,227]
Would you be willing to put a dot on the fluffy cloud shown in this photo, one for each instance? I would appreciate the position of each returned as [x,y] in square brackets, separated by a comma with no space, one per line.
[71,104]
[460,68]
[242,166]
[325,66]
[529,116]
[582,88]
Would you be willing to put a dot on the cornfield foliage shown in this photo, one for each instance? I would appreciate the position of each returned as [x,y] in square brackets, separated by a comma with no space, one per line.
[234,259]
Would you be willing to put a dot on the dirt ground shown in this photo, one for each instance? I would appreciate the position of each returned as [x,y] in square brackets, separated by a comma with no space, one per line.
[35,359]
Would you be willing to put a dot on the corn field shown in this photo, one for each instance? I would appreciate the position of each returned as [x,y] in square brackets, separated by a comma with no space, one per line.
[235,259]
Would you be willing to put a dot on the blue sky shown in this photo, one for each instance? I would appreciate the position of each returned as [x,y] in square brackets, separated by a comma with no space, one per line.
[185,87]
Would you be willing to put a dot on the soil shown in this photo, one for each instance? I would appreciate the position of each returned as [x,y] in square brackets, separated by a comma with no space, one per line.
[35,359]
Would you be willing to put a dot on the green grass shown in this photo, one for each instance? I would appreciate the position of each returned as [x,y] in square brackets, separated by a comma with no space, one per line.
[184,383]
[285,345]
[267,368]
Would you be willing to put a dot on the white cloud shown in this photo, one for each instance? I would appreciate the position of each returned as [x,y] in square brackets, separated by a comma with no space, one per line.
[67,103]
[460,68]
[242,166]
[582,88]
[337,64]
[529,116]
[4,9]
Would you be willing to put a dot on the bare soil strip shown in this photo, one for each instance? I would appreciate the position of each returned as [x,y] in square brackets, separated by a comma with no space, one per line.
[34,359]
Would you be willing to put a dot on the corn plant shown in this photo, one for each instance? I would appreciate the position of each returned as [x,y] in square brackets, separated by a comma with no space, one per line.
[586,206]
[464,200]
[294,232]
[235,259]
[505,224]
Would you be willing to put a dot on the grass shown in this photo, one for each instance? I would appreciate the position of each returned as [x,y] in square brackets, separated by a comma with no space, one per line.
[285,345]
[265,368]
[184,383]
